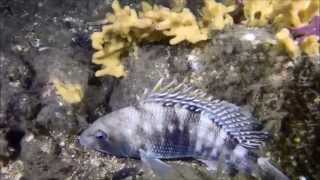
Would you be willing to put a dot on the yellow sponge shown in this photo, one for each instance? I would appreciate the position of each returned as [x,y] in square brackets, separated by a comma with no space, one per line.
[311,46]
[71,93]
[289,44]
[258,12]
[114,39]
[294,13]
[282,13]
[181,25]
[128,27]
[216,15]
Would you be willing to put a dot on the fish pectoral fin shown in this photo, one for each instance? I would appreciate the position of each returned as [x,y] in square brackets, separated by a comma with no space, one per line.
[212,165]
[269,171]
[159,167]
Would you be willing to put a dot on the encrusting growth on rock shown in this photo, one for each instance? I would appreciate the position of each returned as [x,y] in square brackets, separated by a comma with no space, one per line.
[299,17]
[71,93]
[281,13]
[216,15]
[154,23]
[311,46]
[294,13]
[181,26]
[288,43]
[257,12]
[127,27]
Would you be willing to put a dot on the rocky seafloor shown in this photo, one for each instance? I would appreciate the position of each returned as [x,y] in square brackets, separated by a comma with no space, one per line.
[42,39]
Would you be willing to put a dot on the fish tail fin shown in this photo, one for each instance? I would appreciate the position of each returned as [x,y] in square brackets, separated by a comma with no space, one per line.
[270,172]
[253,165]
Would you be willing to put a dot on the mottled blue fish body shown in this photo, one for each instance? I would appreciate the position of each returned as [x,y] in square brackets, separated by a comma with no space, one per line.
[177,121]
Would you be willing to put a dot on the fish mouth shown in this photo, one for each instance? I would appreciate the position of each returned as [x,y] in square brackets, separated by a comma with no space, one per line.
[85,142]
[84,145]
[103,151]
[107,149]
[87,145]
[82,142]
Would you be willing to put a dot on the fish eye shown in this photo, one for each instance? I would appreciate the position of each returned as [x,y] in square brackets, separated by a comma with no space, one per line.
[100,135]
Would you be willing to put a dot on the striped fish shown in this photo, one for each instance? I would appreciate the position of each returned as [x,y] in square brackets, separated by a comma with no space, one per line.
[176,121]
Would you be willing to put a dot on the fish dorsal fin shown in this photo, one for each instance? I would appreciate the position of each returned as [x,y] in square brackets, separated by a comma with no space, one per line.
[239,124]
[181,94]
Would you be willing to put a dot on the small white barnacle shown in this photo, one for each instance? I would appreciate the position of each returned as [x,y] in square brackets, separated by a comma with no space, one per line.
[191,108]
[171,127]
[168,104]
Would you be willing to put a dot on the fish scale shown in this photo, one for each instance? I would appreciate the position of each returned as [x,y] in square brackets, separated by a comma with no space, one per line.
[175,137]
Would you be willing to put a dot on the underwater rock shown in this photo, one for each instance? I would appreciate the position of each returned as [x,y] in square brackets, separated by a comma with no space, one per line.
[23,106]
[45,39]
[301,125]
[55,63]
[98,96]
[16,75]
[4,149]
[56,112]
[238,65]
[11,142]
[17,105]
[54,117]
[144,72]
[40,159]
[235,66]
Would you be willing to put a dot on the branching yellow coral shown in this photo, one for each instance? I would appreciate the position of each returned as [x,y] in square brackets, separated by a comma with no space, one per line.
[127,27]
[283,13]
[294,13]
[289,44]
[115,38]
[111,65]
[177,5]
[181,25]
[216,15]
[311,46]
[313,9]
[258,12]
[125,19]
[97,40]
[108,54]
[71,93]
